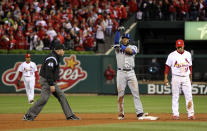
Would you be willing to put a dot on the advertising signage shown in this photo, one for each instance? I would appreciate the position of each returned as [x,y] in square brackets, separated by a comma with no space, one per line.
[195,30]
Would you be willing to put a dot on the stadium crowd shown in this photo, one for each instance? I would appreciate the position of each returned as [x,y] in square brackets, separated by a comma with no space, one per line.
[81,24]
[173,10]
[78,24]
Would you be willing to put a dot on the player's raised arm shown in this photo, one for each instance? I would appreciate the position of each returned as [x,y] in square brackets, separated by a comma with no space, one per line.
[117,37]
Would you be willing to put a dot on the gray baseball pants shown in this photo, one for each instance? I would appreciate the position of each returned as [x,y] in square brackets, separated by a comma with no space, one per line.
[45,95]
[125,78]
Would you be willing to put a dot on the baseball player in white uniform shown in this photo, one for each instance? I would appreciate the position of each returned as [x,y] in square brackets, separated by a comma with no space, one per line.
[125,55]
[29,71]
[180,63]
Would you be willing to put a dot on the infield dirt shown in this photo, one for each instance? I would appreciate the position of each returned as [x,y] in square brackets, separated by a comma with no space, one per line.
[14,121]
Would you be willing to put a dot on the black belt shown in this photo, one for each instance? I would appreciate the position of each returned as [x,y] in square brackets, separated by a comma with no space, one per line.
[125,69]
[179,75]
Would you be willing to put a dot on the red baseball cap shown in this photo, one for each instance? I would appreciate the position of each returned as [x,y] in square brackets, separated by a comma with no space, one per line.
[179,43]
[27,55]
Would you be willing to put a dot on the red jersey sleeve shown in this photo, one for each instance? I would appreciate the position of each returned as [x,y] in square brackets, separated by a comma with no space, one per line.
[36,75]
[20,75]
[167,69]
[191,69]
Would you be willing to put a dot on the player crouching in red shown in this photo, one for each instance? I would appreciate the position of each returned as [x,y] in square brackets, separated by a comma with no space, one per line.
[180,63]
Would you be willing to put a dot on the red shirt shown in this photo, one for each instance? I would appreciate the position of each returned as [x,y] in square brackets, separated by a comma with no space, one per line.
[132,6]
[109,73]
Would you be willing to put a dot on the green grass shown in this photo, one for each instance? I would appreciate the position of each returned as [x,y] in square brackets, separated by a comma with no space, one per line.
[101,104]
[108,104]
[134,126]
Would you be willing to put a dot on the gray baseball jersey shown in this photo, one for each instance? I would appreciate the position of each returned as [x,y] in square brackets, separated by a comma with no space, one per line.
[126,61]
[126,76]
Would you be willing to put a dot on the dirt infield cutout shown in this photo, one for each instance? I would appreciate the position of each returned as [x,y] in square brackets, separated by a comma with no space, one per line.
[14,121]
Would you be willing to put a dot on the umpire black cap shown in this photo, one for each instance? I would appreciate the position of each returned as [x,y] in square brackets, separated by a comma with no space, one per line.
[59,46]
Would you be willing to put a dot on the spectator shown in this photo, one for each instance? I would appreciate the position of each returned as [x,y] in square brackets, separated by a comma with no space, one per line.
[78,46]
[109,25]
[60,37]
[194,10]
[100,28]
[165,10]
[67,25]
[145,9]
[41,22]
[46,42]
[154,69]
[39,44]
[88,42]
[51,33]
[173,12]
[32,40]
[123,14]
[132,6]
[12,42]
[17,13]
[4,42]
[68,42]
[21,41]
[201,10]
[139,15]
[109,74]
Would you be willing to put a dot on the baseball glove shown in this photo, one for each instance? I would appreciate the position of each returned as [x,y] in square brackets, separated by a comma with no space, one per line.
[19,83]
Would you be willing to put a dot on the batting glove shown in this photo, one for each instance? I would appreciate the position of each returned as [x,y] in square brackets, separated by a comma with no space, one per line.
[123,47]
[121,28]
[116,46]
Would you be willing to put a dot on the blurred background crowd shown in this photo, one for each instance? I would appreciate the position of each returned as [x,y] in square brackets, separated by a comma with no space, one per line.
[82,25]
[78,24]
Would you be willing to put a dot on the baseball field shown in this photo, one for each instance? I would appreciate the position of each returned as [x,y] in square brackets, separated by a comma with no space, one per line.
[99,113]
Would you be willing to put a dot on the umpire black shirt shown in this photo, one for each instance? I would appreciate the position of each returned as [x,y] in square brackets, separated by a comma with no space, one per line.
[50,68]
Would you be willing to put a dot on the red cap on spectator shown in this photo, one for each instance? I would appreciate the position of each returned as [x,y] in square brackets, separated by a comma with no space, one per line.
[179,43]
[27,56]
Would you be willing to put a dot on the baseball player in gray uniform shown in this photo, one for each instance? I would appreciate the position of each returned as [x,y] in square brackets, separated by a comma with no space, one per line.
[125,55]
[49,74]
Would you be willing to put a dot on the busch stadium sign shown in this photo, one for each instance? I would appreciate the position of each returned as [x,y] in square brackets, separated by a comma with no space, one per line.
[197,89]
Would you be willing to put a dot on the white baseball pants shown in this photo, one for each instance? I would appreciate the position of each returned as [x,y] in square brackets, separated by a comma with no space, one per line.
[29,83]
[182,83]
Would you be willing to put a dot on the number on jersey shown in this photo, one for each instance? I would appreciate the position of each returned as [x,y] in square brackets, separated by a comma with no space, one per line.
[50,64]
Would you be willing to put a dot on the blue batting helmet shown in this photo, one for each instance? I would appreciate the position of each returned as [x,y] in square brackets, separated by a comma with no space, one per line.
[126,36]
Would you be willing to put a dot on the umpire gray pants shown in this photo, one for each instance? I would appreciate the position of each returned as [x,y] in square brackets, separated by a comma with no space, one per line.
[45,94]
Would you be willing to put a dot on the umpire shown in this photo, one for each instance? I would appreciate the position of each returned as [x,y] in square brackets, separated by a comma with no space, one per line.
[49,74]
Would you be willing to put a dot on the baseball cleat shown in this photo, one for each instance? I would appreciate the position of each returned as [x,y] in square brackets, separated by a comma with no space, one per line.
[176,118]
[121,117]
[27,117]
[145,116]
[191,118]
[31,102]
[73,117]
[142,114]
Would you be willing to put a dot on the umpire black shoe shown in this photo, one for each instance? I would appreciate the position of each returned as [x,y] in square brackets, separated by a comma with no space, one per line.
[73,117]
[27,117]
